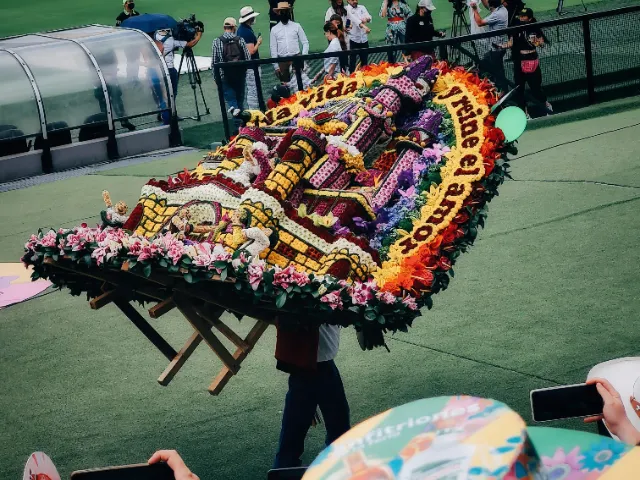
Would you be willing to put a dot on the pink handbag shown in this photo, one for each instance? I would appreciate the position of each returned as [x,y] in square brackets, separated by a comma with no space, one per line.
[529,66]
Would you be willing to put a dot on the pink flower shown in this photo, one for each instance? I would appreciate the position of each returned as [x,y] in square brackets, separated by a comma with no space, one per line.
[99,254]
[361,293]
[175,252]
[202,260]
[333,152]
[31,244]
[568,464]
[410,302]
[149,251]
[135,248]
[240,260]
[333,299]
[76,242]
[219,253]
[288,276]
[254,273]
[49,240]
[386,297]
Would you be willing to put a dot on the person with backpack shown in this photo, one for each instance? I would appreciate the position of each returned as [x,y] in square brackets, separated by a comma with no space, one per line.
[230,48]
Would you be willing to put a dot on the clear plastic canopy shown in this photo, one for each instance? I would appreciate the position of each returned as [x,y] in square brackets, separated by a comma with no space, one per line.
[70,78]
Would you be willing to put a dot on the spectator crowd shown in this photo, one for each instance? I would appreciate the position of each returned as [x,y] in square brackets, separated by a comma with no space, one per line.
[347,29]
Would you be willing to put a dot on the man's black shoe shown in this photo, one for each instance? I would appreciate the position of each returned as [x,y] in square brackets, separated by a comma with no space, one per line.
[128,125]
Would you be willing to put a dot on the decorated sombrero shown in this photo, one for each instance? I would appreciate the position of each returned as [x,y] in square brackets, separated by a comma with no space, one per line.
[465,437]
[373,185]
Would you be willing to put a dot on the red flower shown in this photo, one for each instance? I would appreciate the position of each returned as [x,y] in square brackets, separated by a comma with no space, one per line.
[444,263]
[461,217]
[488,166]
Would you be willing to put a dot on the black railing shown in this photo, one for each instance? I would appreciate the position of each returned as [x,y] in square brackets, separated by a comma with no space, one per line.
[586,59]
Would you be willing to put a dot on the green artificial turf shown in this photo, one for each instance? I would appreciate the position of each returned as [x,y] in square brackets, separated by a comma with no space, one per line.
[549,290]
[48,15]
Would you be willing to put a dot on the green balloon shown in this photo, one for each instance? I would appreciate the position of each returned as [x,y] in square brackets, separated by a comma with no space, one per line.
[513,122]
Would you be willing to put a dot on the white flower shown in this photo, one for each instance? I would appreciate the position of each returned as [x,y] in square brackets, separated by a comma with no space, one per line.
[260,146]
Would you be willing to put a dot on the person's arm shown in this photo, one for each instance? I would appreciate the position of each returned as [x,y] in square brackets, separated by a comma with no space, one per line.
[214,53]
[486,4]
[175,462]
[332,69]
[366,16]
[303,40]
[247,55]
[327,15]
[476,16]
[273,47]
[407,10]
[614,413]
[383,9]
[193,42]
[253,47]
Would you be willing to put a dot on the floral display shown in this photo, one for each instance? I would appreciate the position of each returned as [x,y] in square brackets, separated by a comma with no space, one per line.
[348,203]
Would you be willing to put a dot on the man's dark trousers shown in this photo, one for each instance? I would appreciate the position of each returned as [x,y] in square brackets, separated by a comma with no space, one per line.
[306,392]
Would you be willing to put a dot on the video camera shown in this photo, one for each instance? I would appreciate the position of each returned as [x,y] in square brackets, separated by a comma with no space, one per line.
[187,28]
[458,5]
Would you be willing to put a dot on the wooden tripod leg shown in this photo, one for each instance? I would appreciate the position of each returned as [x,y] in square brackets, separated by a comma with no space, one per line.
[180,359]
[148,331]
[239,355]
[204,329]
[223,328]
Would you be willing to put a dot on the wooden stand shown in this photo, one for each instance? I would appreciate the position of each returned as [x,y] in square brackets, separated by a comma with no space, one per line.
[201,310]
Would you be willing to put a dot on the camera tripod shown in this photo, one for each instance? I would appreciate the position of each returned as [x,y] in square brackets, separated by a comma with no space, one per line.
[561,6]
[194,80]
[460,26]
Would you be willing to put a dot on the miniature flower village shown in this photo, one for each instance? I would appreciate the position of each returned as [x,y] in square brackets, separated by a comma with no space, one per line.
[346,204]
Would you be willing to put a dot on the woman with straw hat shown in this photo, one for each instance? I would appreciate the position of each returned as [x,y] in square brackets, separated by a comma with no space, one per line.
[245,31]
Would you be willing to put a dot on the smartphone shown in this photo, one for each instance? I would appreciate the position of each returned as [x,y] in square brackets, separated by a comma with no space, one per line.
[143,471]
[348,23]
[568,401]
[291,473]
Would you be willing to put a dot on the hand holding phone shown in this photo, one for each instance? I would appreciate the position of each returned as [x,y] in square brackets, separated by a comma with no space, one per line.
[568,401]
[143,471]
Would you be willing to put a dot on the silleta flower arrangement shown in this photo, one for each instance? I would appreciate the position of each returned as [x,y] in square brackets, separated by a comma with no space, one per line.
[346,204]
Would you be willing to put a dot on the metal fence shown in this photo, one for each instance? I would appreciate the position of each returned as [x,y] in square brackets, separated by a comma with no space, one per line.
[586,59]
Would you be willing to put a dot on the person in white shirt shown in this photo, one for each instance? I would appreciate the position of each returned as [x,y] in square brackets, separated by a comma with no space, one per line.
[359,33]
[165,39]
[285,40]
[331,68]
[308,390]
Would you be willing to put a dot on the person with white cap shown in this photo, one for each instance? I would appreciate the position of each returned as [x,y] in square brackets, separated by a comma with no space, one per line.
[285,40]
[420,29]
[230,48]
[245,31]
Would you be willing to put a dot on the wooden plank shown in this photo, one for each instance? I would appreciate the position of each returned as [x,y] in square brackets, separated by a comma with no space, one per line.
[148,331]
[225,374]
[161,308]
[102,300]
[228,303]
[204,329]
[223,328]
[110,277]
[180,359]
